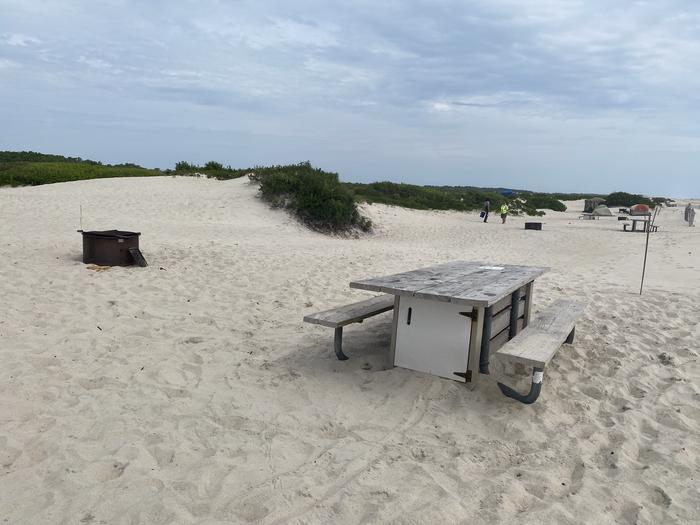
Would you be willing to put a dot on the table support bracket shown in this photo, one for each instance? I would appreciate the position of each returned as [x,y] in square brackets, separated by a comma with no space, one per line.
[338,344]
[532,395]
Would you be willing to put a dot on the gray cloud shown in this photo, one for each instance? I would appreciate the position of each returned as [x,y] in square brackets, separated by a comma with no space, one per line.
[549,94]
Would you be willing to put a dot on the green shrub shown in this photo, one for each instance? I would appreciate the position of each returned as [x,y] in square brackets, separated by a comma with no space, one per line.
[317,197]
[543,201]
[423,197]
[211,169]
[213,166]
[450,198]
[36,173]
[574,196]
[662,200]
[32,156]
[519,206]
[184,166]
[620,198]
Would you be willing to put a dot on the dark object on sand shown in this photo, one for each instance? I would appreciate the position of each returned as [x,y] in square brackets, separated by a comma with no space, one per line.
[533,225]
[640,209]
[591,204]
[112,248]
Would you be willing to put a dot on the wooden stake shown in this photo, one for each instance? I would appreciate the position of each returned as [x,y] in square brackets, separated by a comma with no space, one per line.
[646,249]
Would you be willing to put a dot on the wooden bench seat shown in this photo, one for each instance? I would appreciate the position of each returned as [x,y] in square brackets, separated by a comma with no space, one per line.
[350,313]
[537,344]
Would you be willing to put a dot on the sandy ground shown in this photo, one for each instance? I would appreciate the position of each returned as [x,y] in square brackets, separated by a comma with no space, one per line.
[191,392]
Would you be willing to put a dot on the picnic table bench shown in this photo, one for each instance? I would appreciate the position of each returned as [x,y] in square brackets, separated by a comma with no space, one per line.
[537,344]
[350,313]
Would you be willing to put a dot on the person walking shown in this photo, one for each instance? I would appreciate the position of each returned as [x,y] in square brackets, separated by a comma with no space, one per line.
[691,216]
[486,210]
[687,212]
[504,212]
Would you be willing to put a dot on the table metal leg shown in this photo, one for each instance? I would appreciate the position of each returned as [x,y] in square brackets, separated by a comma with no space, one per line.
[338,344]
[394,328]
[486,342]
[529,287]
[476,336]
[532,395]
[570,338]
[514,311]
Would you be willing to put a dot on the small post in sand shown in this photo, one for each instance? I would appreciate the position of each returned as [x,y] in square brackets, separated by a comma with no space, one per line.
[646,248]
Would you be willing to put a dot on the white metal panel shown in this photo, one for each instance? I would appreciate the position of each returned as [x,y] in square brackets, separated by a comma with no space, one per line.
[437,339]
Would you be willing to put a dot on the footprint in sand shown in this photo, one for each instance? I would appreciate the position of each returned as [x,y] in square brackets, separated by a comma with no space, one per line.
[671,419]
[660,498]
[8,456]
[631,513]
[637,392]
[648,430]
[593,392]
[94,383]
[102,471]
[163,456]
[577,477]
[253,509]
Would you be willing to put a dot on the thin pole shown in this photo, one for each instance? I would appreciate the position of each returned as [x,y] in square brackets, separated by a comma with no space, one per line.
[646,249]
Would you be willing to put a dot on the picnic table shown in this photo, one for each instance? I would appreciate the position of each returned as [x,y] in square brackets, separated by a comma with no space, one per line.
[449,317]
[644,219]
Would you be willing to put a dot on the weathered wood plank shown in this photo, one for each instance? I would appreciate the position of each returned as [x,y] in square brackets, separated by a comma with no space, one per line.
[501,338]
[425,277]
[414,280]
[504,303]
[501,320]
[485,288]
[537,344]
[352,313]
[462,282]
[560,317]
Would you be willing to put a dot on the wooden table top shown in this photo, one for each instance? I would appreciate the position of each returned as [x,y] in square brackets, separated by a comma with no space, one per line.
[461,282]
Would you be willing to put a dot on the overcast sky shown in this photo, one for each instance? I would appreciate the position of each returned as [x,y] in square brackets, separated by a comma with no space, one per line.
[554,95]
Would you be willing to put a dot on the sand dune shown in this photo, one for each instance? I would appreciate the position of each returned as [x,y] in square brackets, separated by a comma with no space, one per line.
[190,391]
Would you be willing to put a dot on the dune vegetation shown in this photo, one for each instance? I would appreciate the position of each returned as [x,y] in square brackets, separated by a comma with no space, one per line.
[316,196]
[27,168]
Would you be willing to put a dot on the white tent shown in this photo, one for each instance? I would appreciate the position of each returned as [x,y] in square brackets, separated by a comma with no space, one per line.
[602,211]
[591,204]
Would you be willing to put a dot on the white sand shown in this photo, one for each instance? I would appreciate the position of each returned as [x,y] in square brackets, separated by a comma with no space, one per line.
[191,392]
